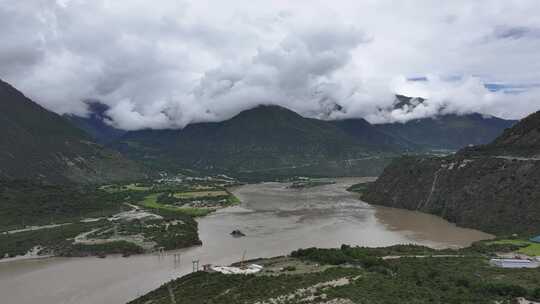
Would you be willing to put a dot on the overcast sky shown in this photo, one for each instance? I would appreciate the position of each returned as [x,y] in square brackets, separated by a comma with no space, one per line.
[167,63]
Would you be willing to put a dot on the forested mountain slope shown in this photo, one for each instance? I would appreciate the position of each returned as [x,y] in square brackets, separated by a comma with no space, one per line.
[39,144]
[262,138]
[477,187]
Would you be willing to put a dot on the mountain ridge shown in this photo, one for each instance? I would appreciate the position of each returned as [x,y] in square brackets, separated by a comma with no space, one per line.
[39,144]
[476,188]
[419,135]
[443,131]
[94,124]
[259,138]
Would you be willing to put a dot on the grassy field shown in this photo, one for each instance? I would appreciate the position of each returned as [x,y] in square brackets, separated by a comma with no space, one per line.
[150,201]
[201,194]
[128,187]
[359,188]
[233,200]
[532,250]
[528,248]
[24,204]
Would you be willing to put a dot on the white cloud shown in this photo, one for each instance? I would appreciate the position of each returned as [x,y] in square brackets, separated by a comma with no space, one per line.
[169,63]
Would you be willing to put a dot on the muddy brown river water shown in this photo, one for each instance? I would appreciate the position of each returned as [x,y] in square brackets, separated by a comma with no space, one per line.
[275,219]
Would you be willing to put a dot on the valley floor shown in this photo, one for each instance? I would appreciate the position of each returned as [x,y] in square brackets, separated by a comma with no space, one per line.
[123,218]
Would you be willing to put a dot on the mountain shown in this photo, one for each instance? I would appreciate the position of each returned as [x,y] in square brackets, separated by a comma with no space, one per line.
[444,131]
[267,139]
[94,124]
[274,141]
[39,144]
[521,140]
[495,187]
[369,134]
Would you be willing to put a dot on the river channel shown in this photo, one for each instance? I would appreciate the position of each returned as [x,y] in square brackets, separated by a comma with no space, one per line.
[276,220]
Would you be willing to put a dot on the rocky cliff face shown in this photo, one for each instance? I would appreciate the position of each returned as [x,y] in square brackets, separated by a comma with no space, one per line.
[479,189]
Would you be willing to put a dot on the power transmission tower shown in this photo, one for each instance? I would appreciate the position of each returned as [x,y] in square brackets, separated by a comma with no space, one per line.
[176,260]
[195,265]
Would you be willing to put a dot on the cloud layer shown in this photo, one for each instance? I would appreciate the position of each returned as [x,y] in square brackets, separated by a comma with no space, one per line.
[171,63]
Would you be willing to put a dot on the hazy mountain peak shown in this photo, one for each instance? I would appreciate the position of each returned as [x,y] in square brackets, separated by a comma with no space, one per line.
[403,102]
[97,108]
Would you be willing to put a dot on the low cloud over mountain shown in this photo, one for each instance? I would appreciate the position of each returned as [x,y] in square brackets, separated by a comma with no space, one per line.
[168,64]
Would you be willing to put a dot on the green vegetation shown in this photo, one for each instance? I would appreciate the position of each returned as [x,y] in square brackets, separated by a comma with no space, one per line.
[39,144]
[262,142]
[531,250]
[25,203]
[176,230]
[493,188]
[448,132]
[527,247]
[116,247]
[56,240]
[114,218]
[128,187]
[82,212]
[487,193]
[150,201]
[289,268]
[520,140]
[361,275]
[441,280]
[194,200]
[310,182]
[201,194]
[220,288]
[359,188]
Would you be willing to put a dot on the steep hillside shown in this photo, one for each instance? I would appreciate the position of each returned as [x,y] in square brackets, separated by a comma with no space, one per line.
[38,144]
[263,139]
[94,124]
[371,135]
[448,132]
[475,188]
[521,140]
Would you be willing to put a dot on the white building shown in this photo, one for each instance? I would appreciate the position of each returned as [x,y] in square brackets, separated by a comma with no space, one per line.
[514,263]
[253,268]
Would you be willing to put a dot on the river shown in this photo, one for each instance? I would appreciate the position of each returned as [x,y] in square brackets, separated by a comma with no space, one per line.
[275,219]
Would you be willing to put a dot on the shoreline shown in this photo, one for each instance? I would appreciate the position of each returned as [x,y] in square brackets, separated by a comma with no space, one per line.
[31,257]
[26,258]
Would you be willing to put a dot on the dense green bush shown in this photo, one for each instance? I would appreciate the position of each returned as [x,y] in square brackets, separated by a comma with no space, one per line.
[454,280]
[55,239]
[504,289]
[119,247]
[345,255]
[27,203]
[535,295]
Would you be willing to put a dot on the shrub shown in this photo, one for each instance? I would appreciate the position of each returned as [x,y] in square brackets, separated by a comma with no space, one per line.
[289,268]
[503,289]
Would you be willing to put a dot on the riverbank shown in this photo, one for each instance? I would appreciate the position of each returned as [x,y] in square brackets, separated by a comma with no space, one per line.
[124,219]
[361,275]
[275,219]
